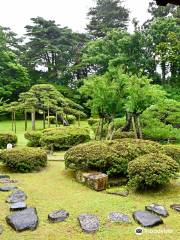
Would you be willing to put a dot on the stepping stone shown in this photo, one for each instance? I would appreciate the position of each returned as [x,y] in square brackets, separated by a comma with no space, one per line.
[176,207]
[58,216]
[4,176]
[147,219]
[123,193]
[7,188]
[23,220]
[158,209]
[1,229]
[88,222]
[8,181]
[118,217]
[16,196]
[18,206]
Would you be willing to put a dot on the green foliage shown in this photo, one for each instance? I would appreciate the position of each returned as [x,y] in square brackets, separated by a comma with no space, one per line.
[51,119]
[71,119]
[173,151]
[33,137]
[65,137]
[151,170]
[6,138]
[24,159]
[118,134]
[107,15]
[92,121]
[111,157]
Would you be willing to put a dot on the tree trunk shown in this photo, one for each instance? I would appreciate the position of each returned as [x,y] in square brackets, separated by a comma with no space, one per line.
[44,120]
[97,130]
[33,118]
[163,68]
[134,127]
[12,121]
[101,129]
[128,124]
[139,130]
[25,117]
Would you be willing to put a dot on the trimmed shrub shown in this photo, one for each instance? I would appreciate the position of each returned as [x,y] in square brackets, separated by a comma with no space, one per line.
[34,138]
[6,138]
[173,151]
[63,138]
[24,159]
[92,121]
[118,135]
[111,157]
[71,119]
[151,170]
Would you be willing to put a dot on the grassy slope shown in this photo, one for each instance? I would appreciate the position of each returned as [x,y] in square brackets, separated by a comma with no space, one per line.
[54,188]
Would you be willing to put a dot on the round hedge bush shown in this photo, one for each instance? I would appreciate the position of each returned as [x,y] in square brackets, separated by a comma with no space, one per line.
[173,151]
[111,157]
[34,138]
[71,119]
[151,170]
[63,138]
[6,138]
[24,159]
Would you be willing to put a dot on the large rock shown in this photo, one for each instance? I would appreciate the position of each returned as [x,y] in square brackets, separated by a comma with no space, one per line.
[58,216]
[1,229]
[95,180]
[7,188]
[23,220]
[16,196]
[158,209]
[4,176]
[88,222]
[18,206]
[147,219]
[176,207]
[119,217]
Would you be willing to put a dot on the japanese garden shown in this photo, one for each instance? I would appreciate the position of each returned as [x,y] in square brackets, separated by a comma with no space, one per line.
[90,126]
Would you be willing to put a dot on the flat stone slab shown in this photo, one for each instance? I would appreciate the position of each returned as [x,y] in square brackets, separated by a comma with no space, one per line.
[1,229]
[122,194]
[6,188]
[118,217]
[18,206]
[5,180]
[16,196]
[4,176]
[158,209]
[88,222]
[176,207]
[23,220]
[147,219]
[58,216]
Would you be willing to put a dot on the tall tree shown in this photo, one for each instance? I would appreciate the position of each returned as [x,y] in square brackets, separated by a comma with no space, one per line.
[105,16]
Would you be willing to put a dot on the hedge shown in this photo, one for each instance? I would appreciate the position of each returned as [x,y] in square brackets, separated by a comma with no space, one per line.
[33,137]
[63,138]
[119,134]
[111,157]
[173,151]
[24,159]
[71,119]
[151,170]
[6,138]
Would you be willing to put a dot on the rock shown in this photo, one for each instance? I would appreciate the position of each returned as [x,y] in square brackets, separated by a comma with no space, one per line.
[147,219]
[7,188]
[176,207]
[118,217]
[23,220]
[88,222]
[123,193]
[16,196]
[1,229]
[158,209]
[58,216]
[18,206]
[4,176]
[8,181]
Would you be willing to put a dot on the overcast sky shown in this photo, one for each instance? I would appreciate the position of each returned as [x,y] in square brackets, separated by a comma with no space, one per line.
[72,13]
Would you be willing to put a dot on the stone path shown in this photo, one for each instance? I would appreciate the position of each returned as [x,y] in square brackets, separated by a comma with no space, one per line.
[23,218]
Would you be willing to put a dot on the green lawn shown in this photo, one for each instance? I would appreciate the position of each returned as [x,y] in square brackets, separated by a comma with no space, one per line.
[54,188]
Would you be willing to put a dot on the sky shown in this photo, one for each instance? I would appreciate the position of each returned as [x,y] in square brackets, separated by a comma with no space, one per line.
[72,13]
